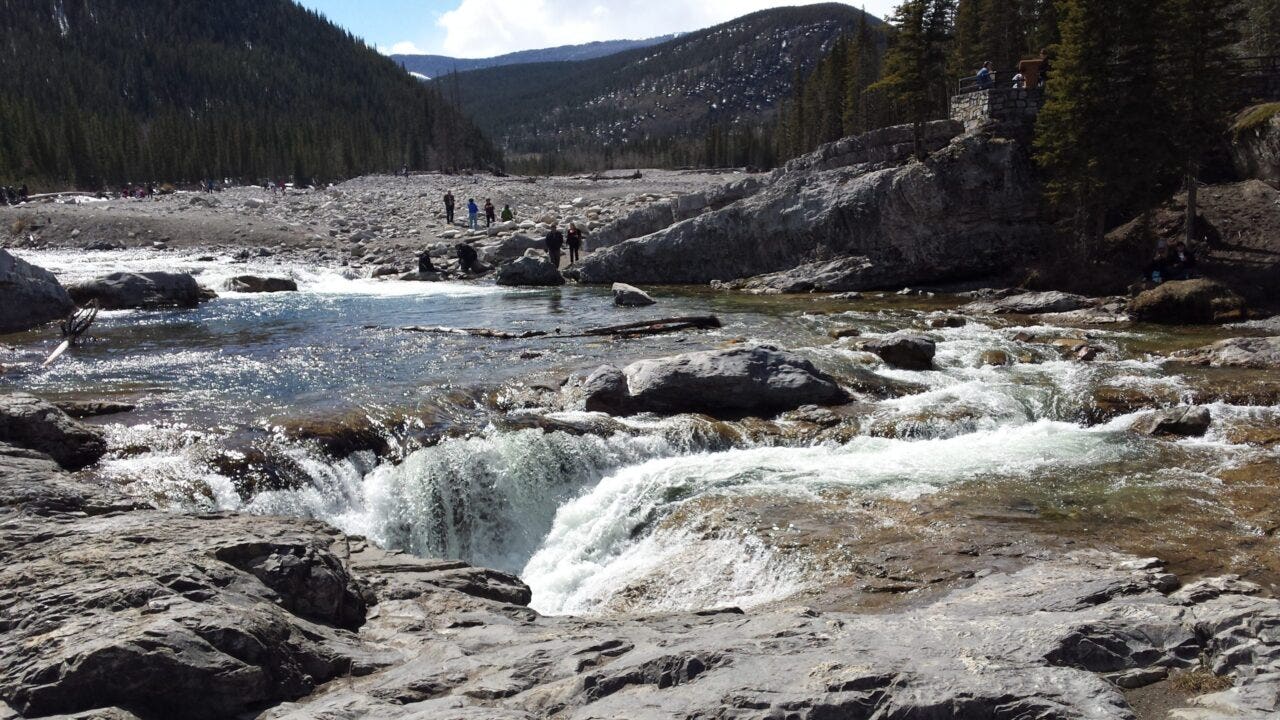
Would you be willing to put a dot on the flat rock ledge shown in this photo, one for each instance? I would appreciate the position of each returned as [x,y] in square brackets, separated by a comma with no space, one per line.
[113,610]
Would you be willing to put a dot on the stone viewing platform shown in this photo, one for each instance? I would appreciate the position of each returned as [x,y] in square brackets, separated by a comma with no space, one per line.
[1003,105]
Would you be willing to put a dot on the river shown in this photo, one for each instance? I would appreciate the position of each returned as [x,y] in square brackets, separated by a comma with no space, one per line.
[600,515]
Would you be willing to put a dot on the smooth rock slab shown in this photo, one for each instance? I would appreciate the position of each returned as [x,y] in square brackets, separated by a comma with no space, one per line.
[256,284]
[1251,352]
[1032,303]
[759,380]
[150,290]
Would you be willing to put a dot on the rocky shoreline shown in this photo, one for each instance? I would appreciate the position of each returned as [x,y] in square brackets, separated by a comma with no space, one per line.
[115,605]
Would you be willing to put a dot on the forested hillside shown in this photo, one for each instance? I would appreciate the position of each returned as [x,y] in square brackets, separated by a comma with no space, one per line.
[99,92]
[437,65]
[708,97]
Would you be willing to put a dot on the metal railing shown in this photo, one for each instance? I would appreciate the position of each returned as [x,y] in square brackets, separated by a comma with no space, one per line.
[1246,68]
[999,79]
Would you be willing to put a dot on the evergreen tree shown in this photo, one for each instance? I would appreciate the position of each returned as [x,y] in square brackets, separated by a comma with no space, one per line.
[915,65]
[1003,31]
[862,72]
[1099,134]
[968,53]
[1198,46]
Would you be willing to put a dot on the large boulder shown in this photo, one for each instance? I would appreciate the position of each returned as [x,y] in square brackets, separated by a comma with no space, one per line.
[256,284]
[971,210]
[1031,303]
[1250,352]
[28,422]
[625,295]
[1188,302]
[29,295]
[904,350]
[511,248]
[149,290]
[533,268]
[1185,421]
[756,380]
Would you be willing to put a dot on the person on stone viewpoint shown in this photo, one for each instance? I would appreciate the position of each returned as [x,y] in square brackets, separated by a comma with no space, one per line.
[473,213]
[574,240]
[448,207]
[985,78]
[507,215]
[554,241]
[489,213]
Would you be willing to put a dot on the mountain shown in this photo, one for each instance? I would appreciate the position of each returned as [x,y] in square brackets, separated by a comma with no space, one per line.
[658,104]
[437,65]
[101,92]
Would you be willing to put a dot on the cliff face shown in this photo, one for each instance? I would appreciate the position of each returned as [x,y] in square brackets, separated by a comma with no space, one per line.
[1255,144]
[854,215]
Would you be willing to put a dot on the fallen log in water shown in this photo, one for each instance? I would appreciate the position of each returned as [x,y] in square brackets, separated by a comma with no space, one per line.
[629,330]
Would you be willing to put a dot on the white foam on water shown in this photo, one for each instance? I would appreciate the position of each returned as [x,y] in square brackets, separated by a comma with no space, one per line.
[576,567]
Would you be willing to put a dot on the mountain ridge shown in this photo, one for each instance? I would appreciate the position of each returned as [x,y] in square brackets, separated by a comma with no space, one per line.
[436,65]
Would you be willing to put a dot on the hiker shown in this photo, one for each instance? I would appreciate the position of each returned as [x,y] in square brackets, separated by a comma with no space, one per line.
[473,212]
[23,193]
[554,242]
[574,240]
[424,262]
[466,258]
[507,215]
[1182,262]
[1019,82]
[448,207]
[490,214]
[985,79]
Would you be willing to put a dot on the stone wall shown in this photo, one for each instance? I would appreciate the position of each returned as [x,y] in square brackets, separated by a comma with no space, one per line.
[1003,105]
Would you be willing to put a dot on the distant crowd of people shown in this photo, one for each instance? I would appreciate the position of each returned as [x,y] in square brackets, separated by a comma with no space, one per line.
[10,195]
[1172,262]
[555,241]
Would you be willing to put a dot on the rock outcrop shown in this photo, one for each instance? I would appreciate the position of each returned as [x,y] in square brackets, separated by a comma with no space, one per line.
[28,422]
[1183,302]
[1185,421]
[908,351]
[114,610]
[256,284]
[625,295]
[149,290]
[758,380]
[533,268]
[1250,352]
[1255,144]
[29,296]
[839,221]
[1031,303]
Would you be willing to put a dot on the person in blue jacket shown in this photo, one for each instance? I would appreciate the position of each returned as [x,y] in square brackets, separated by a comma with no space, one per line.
[473,210]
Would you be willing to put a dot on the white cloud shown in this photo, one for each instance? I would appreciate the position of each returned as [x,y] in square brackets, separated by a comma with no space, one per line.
[406,47]
[481,28]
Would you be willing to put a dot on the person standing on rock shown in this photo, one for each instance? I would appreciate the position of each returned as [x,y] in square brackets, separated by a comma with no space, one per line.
[473,213]
[507,215]
[448,207]
[985,79]
[555,241]
[490,214]
[574,240]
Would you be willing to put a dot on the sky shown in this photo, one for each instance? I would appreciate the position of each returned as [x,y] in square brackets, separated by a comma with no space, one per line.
[483,28]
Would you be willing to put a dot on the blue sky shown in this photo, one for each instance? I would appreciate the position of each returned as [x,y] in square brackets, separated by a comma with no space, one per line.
[481,28]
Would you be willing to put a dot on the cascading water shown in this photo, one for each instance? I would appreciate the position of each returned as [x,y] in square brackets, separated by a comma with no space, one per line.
[625,517]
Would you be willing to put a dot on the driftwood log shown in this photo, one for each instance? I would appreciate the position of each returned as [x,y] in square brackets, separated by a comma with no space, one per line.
[630,330]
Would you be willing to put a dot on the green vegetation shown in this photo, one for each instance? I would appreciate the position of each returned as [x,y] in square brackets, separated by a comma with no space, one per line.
[114,91]
[1254,118]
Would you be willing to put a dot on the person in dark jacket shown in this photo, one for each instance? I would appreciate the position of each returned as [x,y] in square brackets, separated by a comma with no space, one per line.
[555,241]
[574,240]
[466,257]
[424,263]
[448,207]
[490,213]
